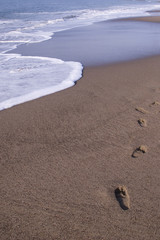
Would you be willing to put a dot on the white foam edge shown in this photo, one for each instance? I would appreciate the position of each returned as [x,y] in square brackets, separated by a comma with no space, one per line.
[94,16]
[74,76]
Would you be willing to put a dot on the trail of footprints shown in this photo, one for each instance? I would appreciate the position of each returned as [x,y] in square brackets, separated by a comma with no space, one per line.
[121,191]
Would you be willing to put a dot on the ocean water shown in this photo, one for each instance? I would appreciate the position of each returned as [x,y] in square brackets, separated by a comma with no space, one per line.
[24,78]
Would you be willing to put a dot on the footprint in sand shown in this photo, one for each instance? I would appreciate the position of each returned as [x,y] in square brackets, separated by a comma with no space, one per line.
[141,110]
[141,149]
[155,103]
[142,122]
[122,197]
[154,106]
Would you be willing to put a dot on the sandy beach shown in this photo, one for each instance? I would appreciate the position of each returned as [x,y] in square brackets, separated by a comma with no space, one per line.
[63,156]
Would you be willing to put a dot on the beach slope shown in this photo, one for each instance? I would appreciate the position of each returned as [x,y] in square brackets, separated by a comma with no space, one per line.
[63,156]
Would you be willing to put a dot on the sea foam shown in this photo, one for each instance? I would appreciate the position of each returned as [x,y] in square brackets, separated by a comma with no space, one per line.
[26,78]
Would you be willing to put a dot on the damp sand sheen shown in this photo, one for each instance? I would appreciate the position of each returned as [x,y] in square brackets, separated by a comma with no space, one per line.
[45,159]
[27,75]
[83,163]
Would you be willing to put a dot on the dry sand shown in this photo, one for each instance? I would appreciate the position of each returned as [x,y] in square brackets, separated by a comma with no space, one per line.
[63,156]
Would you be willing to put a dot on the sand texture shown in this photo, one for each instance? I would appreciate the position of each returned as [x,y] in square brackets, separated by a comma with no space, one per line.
[63,156]
[154,19]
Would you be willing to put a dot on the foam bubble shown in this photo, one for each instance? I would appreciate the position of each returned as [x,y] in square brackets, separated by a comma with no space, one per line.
[31,28]
[27,78]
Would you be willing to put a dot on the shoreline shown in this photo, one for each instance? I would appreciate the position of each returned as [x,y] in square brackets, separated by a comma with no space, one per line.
[152,19]
[64,155]
[105,42]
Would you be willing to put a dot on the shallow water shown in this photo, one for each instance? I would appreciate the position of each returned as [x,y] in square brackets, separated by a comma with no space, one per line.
[100,43]
[36,21]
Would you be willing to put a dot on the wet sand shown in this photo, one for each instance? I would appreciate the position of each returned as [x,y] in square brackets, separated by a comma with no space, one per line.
[64,156]
[154,19]
[101,43]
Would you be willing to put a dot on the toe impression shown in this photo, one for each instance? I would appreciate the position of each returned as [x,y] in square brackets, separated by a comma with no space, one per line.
[139,150]
[122,197]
